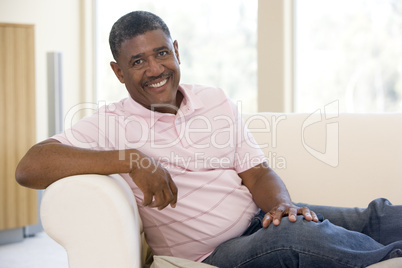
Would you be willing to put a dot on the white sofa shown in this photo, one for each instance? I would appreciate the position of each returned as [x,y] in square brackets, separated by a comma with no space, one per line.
[327,159]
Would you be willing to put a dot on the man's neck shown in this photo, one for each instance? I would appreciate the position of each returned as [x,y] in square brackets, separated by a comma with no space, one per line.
[168,108]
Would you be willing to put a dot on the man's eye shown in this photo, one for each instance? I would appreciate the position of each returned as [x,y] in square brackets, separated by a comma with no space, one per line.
[137,62]
[163,53]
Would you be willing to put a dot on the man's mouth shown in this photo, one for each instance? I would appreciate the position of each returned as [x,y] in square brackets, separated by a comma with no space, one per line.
[158,81]
[161,83]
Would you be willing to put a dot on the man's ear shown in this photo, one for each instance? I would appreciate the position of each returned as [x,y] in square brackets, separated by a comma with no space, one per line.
[117,71]
[176,50]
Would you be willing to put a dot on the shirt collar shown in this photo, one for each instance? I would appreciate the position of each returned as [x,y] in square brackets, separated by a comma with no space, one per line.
[189,104]
[191,101]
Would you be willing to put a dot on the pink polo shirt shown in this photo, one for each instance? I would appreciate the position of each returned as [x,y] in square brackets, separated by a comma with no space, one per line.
[204,146]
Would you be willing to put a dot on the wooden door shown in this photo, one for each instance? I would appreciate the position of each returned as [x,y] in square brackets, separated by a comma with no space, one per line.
[18,205]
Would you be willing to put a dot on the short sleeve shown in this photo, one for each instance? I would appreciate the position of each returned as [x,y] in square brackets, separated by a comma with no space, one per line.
[88,133]
[248,153]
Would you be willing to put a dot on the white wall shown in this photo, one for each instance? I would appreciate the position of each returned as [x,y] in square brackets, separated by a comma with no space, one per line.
[57,28]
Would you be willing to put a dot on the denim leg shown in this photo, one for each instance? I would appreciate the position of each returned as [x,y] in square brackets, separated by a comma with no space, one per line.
[302,244]
[381,220]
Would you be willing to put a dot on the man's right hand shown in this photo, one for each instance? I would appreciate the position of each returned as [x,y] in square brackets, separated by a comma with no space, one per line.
[154,181]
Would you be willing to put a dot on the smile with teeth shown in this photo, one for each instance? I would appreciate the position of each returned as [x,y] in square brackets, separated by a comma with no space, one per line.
[161,83]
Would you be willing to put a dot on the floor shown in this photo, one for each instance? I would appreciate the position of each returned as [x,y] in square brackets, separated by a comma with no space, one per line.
[39,251]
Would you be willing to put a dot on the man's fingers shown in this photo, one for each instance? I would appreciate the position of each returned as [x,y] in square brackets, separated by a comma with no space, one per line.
[292,214]
[162,199]
[159,201]
[158,187]
[314,215]
[276,214]
[173,189]
[306,213]
[148,197]
[266,221]
[167,196]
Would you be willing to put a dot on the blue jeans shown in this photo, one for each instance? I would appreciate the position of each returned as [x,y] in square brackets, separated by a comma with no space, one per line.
[348,237]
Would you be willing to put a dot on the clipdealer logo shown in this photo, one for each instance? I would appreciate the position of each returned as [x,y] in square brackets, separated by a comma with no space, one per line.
[330,156]
[327,116]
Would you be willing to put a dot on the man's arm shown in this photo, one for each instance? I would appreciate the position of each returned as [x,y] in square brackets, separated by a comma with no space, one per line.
[49,161]
[270,194]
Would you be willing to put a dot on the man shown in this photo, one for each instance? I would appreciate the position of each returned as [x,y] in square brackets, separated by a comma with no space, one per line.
[198,177]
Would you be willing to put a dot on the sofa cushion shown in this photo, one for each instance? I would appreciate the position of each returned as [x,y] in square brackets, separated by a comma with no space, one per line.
[345,160]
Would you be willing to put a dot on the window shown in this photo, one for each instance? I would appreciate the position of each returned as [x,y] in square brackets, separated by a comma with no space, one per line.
[348,51]
[217,44]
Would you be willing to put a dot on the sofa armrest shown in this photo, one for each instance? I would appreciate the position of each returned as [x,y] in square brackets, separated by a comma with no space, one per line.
[95,218]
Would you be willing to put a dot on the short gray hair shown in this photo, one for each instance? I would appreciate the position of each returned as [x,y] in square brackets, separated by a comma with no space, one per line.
[131,25]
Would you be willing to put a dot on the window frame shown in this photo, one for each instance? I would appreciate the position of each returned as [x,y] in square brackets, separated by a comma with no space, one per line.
[275,56]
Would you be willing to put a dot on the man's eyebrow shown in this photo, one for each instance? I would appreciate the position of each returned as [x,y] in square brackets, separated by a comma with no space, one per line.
[161,48]
[135,57]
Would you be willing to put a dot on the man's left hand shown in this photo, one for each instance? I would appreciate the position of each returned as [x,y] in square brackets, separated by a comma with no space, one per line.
[275,215]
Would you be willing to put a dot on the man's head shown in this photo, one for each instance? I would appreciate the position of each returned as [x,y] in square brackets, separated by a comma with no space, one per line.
[147,60]
[132,25]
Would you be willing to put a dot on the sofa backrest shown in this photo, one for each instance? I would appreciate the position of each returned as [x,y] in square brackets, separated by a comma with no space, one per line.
[333,159]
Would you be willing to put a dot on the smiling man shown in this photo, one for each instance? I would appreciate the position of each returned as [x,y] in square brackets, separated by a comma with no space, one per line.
[203,187]
[149,67]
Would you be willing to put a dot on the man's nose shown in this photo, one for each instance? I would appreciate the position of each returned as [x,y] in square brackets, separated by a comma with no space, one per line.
[154,67]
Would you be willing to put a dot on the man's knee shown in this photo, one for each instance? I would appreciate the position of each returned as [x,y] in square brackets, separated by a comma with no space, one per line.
[288,232]
[379,203]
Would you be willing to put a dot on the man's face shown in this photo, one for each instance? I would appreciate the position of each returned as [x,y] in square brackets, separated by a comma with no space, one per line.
[148,65]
